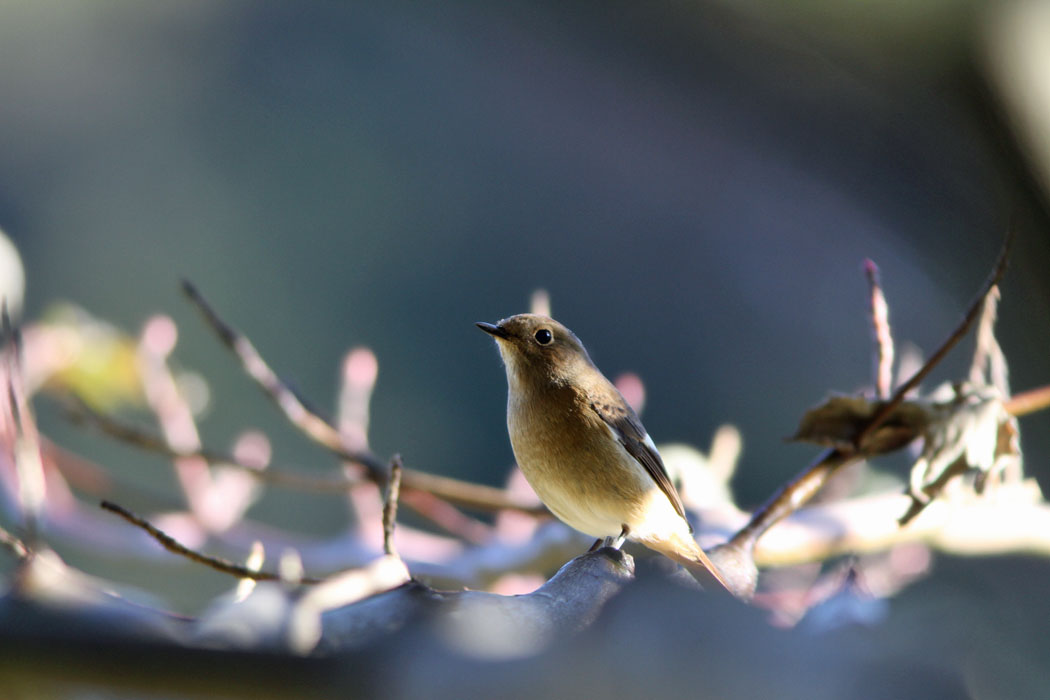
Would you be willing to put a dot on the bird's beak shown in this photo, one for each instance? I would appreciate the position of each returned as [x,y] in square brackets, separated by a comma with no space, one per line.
[492,329]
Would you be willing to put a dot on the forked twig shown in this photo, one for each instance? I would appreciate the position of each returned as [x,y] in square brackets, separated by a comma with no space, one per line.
[797,492]
[302,417]
[463,493]
[935,359]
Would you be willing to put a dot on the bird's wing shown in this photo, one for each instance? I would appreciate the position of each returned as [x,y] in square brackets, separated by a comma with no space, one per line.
[629,430]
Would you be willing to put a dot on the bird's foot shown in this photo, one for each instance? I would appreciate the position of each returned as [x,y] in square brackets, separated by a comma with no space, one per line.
[617,542]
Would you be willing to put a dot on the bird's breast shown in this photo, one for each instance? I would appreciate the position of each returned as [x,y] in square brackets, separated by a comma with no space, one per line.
[576,465]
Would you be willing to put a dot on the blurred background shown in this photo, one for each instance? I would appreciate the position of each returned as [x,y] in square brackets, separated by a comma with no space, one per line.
[695,183]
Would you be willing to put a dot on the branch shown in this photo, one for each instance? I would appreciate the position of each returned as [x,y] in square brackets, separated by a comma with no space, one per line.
[935,359]
[792,496]
[19,425]
[1013,518]
[390,506]
[493,626]
[989,364]
[295,410]
[466,494]
[1028,401]
[217,500]
[79,412]
[880,331]
[446,516]
[13,545]
[736,557]
[169,543]
[321,431]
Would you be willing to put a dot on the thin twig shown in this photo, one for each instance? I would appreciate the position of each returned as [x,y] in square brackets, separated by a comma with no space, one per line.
[390,505]
[215,505]
[799,490]
[295,410]
[1016,520]
[81,413]
[466,494]
[957,335]
[446,516]
[792,496]
[172,545]
[14,545]
[1028,401]
[29,464]
[540,302]
[321,431]
[78,471]
[989,364]
[880,331]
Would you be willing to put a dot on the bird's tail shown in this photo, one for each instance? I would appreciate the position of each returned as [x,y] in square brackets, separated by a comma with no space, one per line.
[684,550]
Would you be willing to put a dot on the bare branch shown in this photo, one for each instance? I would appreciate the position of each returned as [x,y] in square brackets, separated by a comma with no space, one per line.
[169,543]
[467,494]
[13,545]
[1028,401]
[736,557]
[486,498]
[24,435]
[80,412]
[321,431]
[216,499]
[880,331]
[295,410]
[540,302]
[390,505]
[1012,519]
[360,371]
[446,516]
[792,496]
[989,363]
[957,335]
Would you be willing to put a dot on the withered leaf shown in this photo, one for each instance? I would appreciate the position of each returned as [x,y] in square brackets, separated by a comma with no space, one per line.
[841,419]
[972,432]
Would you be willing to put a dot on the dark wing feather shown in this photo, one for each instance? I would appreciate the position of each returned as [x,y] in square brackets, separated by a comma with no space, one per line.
[628,428]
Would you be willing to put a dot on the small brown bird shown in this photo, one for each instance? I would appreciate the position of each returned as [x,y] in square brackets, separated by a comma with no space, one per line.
[583,448]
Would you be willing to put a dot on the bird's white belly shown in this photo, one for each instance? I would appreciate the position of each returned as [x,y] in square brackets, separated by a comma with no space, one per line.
[601,505]
[587,516]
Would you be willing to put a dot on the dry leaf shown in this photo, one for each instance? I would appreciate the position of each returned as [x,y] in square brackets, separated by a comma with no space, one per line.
[972,432]
[840,420]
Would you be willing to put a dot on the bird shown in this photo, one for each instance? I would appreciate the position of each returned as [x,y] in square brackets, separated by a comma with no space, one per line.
[584,450]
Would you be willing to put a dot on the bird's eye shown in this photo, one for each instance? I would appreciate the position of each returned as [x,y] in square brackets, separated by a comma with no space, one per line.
[543,336]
